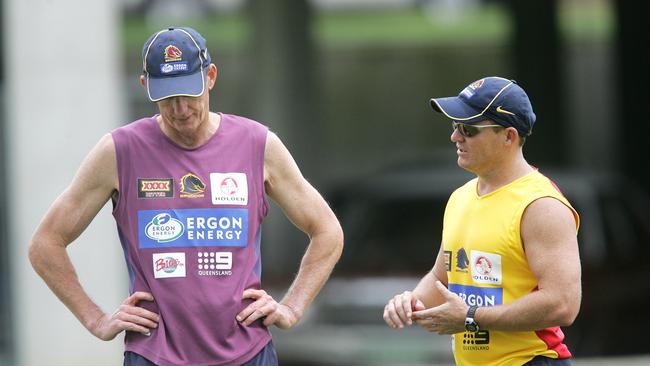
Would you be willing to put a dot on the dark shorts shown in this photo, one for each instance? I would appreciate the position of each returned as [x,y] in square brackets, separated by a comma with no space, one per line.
[545,361]
[266,357]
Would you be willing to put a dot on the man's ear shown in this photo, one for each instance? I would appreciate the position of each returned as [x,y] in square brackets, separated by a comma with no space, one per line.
[511,135]
[212,75]
[143,81]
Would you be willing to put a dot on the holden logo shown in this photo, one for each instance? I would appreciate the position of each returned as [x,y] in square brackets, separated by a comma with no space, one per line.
[167,68]
[164,228]
[483,265]
[229,186]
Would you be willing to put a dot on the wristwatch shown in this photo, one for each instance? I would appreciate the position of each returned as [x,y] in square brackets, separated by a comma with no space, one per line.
[470,323]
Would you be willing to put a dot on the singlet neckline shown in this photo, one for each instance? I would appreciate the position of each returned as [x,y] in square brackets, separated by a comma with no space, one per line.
[174,144]
[502,188]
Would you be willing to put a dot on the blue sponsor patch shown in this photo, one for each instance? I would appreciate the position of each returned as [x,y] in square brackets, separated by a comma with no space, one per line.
[204,227]
[479,296]
[468,93]
[174,67]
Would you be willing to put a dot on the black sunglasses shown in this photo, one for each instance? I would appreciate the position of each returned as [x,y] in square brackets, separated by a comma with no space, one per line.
[470,130]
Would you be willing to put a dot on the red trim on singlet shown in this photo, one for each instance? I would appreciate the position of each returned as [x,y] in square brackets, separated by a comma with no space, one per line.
[554,185]
[553,338]
[549,179]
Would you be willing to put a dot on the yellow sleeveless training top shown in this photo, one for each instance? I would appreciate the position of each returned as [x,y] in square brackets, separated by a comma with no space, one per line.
[487,266]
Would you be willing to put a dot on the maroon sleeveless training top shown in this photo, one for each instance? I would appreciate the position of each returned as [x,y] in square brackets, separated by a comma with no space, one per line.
[189,221]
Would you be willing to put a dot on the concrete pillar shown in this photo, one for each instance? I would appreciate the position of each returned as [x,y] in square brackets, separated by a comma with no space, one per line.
[62,94]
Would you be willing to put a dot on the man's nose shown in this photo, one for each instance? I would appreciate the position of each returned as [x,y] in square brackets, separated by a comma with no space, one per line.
[455,136]
[180,105]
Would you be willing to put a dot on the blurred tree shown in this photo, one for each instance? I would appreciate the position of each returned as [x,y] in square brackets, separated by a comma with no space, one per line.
[537,49]
[138,8]
[281,80]
[633,40]
[280,93]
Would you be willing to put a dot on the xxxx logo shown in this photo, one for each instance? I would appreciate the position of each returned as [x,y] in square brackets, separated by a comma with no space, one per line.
[148,186]
[155,188]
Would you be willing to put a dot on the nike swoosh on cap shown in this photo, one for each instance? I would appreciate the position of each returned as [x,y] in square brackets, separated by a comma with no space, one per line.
[501,110]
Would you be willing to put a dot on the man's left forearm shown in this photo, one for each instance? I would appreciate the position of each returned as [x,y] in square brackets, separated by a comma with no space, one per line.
[537,310]
[315,268]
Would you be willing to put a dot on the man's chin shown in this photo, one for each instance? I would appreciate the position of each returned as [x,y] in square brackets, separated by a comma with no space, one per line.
[463,164]
[187,124]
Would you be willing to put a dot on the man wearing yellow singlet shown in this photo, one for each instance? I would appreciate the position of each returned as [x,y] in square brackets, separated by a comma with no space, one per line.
[507,275]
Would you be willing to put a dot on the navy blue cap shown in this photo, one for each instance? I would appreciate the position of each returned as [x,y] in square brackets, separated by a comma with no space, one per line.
[174,62]
[497,99]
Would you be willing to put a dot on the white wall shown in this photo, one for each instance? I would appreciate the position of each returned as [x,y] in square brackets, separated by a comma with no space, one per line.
[62,96]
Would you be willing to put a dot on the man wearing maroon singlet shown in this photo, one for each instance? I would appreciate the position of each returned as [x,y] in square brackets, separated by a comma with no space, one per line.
[189,192]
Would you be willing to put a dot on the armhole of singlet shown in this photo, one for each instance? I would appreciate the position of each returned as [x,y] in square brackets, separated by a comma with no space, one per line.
[263,199]
[524,206]
[117,203]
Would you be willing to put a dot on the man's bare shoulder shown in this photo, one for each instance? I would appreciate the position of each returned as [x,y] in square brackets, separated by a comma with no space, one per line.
[548,208]
[99,168]
[547,220]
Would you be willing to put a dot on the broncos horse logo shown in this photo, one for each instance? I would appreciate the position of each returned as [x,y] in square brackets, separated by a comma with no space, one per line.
[192,186]
[462,261]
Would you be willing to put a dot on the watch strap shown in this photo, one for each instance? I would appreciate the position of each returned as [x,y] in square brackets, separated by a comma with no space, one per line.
[471,311]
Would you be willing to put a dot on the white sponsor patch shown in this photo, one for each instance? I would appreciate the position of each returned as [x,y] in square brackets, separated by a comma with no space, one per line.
[486,267]
[215,264]
[229,188]
[166,265]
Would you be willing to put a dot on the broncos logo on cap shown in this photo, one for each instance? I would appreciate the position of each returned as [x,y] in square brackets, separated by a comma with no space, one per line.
[172,53]
[192,186]
[477,84]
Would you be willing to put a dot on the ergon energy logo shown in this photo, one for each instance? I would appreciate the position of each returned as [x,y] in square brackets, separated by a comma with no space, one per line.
[201,227]
[163,228]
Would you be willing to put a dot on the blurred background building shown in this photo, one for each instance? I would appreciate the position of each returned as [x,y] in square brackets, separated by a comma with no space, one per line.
[345,84]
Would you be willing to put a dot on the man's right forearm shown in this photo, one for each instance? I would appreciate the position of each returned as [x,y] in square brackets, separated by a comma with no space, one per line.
[52,263]
[426,290]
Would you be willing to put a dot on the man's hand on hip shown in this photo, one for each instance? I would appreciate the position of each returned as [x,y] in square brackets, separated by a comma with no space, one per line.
[264,306]
[128,316]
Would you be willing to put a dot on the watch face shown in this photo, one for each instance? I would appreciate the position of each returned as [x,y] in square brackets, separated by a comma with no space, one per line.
[470,325]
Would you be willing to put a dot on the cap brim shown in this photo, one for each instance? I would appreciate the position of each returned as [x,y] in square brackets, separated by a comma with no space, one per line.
[174,86]
[454,108]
